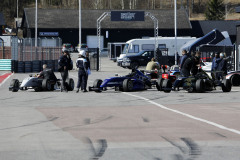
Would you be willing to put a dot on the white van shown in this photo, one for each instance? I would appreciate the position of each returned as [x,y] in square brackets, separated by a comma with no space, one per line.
[135,46]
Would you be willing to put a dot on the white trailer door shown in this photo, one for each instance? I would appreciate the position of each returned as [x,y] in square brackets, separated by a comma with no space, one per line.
[92,41]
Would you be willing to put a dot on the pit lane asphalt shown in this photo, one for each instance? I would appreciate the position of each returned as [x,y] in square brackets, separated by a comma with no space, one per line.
[116,126]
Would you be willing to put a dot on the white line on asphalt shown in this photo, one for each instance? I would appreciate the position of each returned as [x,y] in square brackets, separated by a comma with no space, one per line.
[6,79]
[185,114]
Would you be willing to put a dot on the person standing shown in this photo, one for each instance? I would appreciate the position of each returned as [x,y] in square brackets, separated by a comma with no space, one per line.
[183,59]
[222,67]
[64,64]
[88,66]
[191,65]
[82,66]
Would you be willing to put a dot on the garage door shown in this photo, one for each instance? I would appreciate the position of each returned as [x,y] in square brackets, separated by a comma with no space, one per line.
[92,41]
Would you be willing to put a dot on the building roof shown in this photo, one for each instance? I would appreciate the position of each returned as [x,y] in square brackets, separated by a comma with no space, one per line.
[68,18]
[205,27]
[2,22]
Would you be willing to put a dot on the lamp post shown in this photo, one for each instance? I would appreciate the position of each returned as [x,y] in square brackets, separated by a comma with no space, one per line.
[175,29]
[17,14]
[80,25]
[36,25]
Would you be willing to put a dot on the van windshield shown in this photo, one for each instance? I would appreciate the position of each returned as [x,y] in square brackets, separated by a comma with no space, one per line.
[125,49]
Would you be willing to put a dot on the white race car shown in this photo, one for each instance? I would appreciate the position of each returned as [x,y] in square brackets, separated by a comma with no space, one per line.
[39,84]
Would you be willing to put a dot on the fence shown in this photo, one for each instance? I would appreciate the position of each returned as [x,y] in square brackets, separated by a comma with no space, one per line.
[28,58]
[5,52]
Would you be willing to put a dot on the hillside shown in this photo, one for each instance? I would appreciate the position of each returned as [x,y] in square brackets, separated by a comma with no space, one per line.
[195,8]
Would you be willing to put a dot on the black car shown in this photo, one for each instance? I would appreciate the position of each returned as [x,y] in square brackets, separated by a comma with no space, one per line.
[139,59]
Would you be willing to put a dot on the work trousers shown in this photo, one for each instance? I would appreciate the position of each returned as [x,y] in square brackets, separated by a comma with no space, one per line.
[64,75]
[82,80]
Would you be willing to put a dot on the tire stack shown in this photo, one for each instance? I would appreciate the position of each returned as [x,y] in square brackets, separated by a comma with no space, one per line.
[55,65]
[21,67]
[51,64]
[28,66]
[14,66]
[36,66]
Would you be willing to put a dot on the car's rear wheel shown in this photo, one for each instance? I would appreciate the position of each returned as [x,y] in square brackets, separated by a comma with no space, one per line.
[159,84]
[235,80]
[226,85]
[46,85]
[15,85]
[127,85]
[97,83]
[200,86]
[70,84]
[167,85]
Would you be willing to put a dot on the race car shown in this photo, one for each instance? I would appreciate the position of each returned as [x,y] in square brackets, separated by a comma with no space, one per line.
[39,84]
[201,82]
[171,75]
[134,81]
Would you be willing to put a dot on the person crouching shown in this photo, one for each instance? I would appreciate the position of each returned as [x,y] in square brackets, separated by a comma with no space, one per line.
[81,64]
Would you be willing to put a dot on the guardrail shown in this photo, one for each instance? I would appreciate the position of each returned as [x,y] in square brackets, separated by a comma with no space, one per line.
[5,64]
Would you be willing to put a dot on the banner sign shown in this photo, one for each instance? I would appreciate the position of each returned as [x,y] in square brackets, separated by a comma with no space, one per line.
[127,16]
[52,34]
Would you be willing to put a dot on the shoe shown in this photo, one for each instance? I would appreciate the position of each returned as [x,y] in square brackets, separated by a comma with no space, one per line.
[77,91]
[66,90]
[85,91]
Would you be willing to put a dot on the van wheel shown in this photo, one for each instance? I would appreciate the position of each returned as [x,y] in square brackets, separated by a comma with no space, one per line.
[127,85]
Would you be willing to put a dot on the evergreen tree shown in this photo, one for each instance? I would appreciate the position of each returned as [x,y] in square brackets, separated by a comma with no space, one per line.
[215,10]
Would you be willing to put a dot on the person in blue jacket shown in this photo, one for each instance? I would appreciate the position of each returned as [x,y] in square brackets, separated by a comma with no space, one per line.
[215,63]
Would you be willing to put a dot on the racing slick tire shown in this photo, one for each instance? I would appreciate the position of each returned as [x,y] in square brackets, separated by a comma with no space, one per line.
[200,86]
[166,85]
[15,85]
[127,85]
[46,85]
[226,85]
[159,84]
[235,80]
[134,65]
[97,83]
[70,84]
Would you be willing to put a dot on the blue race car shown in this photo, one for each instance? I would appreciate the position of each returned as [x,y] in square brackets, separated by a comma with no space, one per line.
[134,81]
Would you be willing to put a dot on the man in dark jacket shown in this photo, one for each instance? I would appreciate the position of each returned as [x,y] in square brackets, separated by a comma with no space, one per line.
[47,73]
[183,59]
[191,65]
[65,64]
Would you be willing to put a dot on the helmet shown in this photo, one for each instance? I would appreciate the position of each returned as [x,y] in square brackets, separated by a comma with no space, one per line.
[82,53]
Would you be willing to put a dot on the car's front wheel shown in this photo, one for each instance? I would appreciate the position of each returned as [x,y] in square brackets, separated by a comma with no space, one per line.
[70,84]
[15,85]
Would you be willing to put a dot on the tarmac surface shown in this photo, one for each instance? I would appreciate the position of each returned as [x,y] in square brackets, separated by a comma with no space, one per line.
[112,125]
